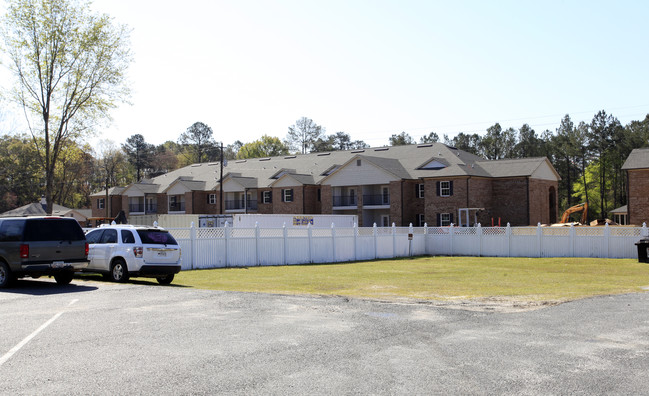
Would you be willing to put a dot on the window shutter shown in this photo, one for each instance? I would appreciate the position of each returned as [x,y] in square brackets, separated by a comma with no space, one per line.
[451,216]
[439,184]
[439,219]
[451,193]
[208,199]
[270,196]
[416,190]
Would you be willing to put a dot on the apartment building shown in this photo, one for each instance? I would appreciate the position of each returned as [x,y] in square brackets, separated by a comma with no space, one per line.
[426,183]
[637,173]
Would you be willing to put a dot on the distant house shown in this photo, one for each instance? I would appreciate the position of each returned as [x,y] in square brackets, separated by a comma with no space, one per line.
[40,209]
[428,183]
[637,172]
[102,208]
[620,215]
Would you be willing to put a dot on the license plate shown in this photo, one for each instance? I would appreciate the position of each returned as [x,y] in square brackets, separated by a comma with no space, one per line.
[162,254]
[58,264]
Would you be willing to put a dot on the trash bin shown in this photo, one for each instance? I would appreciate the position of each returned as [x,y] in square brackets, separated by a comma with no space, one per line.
[643,249]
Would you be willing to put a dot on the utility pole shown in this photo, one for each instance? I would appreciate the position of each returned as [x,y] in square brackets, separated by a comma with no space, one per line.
[221,182]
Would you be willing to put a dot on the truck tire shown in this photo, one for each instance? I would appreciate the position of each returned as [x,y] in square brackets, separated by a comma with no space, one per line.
[64,278]
[6,277]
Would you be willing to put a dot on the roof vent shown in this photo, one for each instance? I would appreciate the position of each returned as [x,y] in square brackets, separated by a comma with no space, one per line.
[264,159]
[212,163]
[358,151]
[239,162]
[424,145]
[382,149]
[322,154]
[290,156]
[196,165]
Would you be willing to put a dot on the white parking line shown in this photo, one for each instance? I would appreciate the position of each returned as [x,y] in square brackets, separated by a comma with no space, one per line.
[24,342]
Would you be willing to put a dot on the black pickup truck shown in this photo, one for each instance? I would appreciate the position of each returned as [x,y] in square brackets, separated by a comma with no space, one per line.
[41,246]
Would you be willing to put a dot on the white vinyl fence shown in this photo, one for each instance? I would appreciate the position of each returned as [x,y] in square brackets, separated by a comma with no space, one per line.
[246,247]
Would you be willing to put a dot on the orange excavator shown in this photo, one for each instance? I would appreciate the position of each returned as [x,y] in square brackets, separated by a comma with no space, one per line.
[582,207]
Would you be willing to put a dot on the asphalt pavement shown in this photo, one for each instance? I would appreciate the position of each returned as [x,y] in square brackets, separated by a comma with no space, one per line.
[106,338]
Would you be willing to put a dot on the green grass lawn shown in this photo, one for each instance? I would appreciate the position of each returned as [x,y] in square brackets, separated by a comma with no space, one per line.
[436,278]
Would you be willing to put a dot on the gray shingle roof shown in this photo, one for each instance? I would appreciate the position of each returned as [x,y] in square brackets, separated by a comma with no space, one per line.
[638,159]
[404,162]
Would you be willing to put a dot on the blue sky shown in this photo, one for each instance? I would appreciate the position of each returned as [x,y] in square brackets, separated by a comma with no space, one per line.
[376,68]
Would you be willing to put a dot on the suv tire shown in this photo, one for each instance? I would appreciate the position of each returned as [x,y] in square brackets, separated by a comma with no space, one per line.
[64,278]
[119,271]
[165,280]
[6,277]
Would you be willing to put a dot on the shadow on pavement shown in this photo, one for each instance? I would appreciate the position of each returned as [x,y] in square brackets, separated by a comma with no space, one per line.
[45,287]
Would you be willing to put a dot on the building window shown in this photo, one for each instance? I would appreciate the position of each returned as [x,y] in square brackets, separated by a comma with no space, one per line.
[267,197]
[101,203]
[212,199]
[420,220]
[445,219]
[444,188]
[287,195]
[420,190]
[319,195]
[358,162]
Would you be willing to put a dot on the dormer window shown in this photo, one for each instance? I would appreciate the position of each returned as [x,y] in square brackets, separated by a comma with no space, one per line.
[434,164]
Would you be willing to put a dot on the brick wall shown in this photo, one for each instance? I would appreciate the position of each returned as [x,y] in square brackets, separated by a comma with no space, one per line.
[396,203]
[326,198]
[480,196]
[510,201]
[294,207]
[540,191]
[638,206]
[435,204]
[263,208]
[163,206]
[311,204]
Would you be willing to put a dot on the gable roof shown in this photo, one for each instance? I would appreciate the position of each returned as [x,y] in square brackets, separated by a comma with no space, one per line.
[404,162]
[638,159]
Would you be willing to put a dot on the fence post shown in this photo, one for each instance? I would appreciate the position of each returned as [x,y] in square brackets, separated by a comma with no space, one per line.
[226,235]
[333,242]
[355,242]
[426,238]
[539,234]
[374,232]
[285,240]
[479,232]
[411,231]
[645,230]
[192,238]
[607,238]
[572,234]
[257,242]
[451,233]
[508,233]
[310,234]
[394,240]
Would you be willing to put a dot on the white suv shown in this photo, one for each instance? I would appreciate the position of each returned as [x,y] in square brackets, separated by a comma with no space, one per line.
[121,251]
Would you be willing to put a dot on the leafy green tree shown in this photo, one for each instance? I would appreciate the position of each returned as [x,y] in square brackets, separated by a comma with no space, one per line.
[430,138]
[200,144]
[464,141]
[20,172]
[303,135]
[401,139]
[602,137]
[338,141]
[267,146]
[140,155]
[69,65]
[529,144]
[498,144]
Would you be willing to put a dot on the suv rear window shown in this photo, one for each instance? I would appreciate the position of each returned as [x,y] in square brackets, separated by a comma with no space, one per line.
[53,230]
[156,237]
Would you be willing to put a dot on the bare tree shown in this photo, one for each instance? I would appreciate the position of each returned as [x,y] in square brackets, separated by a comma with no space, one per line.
[69,66]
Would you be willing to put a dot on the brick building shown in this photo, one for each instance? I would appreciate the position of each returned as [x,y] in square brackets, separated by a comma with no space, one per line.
[637,173]
[427,183]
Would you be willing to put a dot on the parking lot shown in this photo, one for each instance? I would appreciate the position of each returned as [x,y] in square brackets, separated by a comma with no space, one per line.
[95,337]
